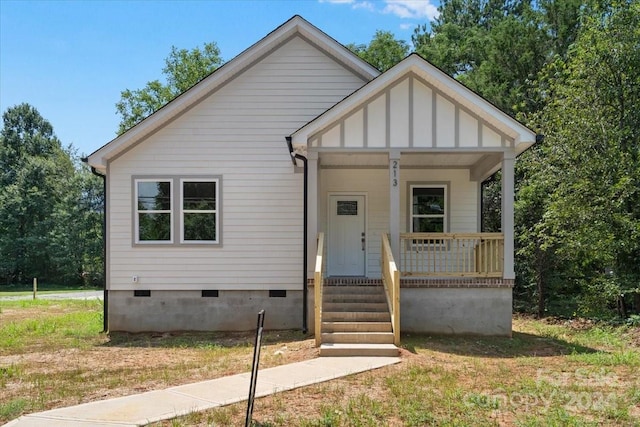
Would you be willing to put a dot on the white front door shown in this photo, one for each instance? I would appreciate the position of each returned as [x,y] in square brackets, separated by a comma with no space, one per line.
[346,237]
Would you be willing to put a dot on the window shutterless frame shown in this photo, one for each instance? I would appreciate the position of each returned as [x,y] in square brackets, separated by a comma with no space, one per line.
[435,211]
[431,211]
[151,206]
[154,196]
[204,206]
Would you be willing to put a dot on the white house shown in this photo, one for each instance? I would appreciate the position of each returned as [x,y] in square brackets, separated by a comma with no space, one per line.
[295,147]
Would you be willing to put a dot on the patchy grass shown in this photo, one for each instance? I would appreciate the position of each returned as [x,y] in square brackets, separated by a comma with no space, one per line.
[575,373]
[549,373]
[27,326]
[53,354]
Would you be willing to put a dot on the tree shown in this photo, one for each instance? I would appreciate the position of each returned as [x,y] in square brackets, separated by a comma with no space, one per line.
[591,218]
[495,47]
[539,269]
[183,69]
[383,52]
[35,172]
[76,238]
[50,206]
[569,69]
[25,134]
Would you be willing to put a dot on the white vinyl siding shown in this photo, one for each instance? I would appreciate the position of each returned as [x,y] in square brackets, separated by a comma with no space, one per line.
[463,201]
[237,133]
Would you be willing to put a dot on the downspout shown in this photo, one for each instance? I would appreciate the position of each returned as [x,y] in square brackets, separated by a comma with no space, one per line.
[305,249]
[105,294]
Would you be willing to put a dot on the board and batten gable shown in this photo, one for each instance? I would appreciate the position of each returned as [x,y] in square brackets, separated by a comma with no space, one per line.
[411,113]
[237,134]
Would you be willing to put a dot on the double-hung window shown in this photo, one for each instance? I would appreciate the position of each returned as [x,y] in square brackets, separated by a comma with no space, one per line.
[199,211]
[428,208]
[180,210]
[154,213]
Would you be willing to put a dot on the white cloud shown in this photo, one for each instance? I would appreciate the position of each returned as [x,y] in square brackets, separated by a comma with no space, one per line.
[411,9]
[404,9]
[367,5]
[355,4]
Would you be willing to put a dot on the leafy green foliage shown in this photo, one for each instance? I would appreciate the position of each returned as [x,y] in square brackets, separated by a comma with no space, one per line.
[570,70]
[587,174]
[50,207]
[183,69]
[76,241]
[492,47]
[383,52]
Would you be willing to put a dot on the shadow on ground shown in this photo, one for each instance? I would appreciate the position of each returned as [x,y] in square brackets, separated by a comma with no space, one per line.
[519,345]
[200,339]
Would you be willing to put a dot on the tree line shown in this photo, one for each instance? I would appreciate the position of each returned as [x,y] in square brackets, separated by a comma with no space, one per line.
[568,69]
[51,206]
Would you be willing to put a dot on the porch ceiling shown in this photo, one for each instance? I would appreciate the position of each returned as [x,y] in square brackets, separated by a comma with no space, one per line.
[411,160]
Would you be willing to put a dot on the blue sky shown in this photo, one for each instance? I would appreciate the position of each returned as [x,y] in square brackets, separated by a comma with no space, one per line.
[71,59]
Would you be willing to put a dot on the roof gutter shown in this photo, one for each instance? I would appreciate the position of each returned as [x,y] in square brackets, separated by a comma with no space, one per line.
[105,293]
[305,301]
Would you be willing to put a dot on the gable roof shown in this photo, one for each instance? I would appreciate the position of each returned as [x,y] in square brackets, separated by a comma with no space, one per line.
[414,64]
[296,26]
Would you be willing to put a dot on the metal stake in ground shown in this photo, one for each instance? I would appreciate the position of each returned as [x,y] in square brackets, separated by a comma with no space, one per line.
[254,369]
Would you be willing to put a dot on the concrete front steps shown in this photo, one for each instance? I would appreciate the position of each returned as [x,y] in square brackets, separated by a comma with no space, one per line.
[356,322]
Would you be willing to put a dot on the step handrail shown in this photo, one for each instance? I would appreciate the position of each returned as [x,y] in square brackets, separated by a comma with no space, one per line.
[317,285]
[391,282]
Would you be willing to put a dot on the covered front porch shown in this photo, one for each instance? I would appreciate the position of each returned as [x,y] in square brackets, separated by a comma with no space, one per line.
[395,173]
[399,221]
[429,204]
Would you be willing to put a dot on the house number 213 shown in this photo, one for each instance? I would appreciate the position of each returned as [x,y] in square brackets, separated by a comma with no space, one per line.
[394,173]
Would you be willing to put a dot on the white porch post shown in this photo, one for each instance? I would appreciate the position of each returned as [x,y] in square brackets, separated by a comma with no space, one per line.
[394,203]
[508,200]
[312,210]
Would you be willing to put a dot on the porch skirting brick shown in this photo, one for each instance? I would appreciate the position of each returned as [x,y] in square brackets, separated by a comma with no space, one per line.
[351,281]
[457,283]
[426,283]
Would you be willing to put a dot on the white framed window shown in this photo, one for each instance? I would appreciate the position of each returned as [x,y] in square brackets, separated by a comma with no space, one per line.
[153,211]
[178,210]
[199,210]
[428,208]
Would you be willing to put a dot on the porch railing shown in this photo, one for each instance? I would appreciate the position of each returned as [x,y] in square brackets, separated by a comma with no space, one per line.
[452,254]
[391,281]
[318,282]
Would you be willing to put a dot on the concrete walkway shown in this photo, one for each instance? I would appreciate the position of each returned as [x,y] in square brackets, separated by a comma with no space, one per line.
[145,408]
